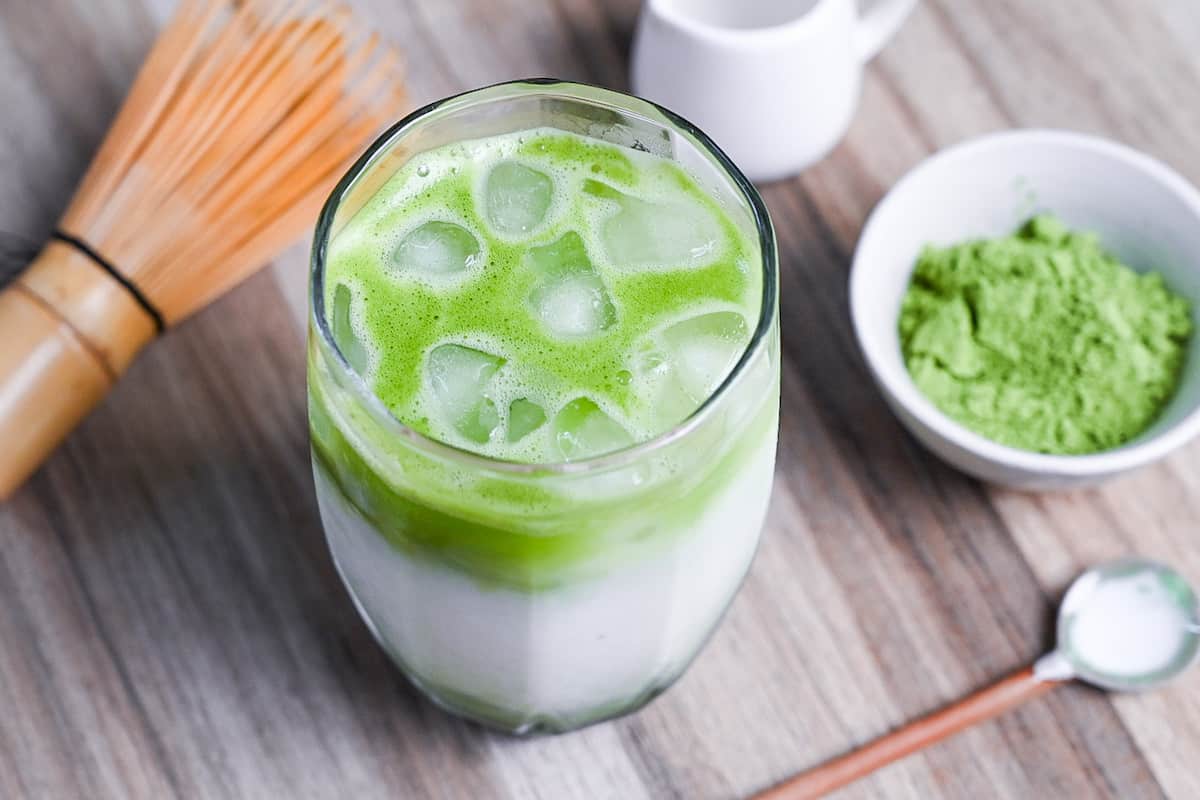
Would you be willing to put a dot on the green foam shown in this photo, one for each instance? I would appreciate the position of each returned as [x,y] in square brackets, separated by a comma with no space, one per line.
[399,315]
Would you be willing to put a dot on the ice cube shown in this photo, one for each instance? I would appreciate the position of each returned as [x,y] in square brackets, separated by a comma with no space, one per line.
[574,306]
[516,197]
[565,256]
[703,349]
[344,335]
[645,234]
[524,417]
[582,430]
[659,386]
[437,248]
[569,296]
[459,376]
[601,189]
[479,424]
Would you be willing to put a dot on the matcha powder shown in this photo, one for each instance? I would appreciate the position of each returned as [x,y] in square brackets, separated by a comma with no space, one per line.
[1042,340]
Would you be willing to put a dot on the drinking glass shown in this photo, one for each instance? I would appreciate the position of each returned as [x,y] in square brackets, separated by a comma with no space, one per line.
[543,597]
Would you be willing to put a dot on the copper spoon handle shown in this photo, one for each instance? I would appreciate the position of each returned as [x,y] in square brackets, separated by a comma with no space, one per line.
[983,705]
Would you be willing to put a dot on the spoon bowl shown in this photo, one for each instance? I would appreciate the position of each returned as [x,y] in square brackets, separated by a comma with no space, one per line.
[1162,591]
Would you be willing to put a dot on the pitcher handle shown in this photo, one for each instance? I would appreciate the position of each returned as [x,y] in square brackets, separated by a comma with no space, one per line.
[878,24]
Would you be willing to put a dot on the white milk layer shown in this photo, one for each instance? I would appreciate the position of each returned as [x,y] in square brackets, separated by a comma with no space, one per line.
[555,654]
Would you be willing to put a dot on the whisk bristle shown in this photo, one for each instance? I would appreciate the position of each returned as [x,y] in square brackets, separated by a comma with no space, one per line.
[240,120]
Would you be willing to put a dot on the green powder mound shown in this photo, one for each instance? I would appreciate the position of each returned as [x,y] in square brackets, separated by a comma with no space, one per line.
[1042,340]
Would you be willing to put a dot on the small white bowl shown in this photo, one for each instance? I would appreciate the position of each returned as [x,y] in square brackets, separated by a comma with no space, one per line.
[1144,213]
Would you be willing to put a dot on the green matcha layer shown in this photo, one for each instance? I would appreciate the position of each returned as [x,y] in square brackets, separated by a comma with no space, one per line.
[540,296]
[1042,340]
[539,531]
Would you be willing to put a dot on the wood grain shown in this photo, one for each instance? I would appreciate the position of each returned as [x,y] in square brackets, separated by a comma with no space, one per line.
[172,626]
[986,704]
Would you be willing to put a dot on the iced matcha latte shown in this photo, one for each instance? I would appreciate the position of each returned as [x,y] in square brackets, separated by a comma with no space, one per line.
[543,390]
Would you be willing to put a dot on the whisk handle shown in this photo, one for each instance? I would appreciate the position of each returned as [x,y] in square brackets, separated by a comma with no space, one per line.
[68,331]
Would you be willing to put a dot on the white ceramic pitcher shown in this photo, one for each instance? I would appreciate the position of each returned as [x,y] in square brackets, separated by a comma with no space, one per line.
[773,82]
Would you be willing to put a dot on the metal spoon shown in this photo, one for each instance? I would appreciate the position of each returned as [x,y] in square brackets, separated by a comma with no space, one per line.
[1065,662]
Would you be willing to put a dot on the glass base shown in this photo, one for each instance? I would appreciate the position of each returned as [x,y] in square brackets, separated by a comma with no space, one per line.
[506,721]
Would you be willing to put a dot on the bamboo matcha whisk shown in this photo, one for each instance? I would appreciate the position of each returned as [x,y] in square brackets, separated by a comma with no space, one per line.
[240,120]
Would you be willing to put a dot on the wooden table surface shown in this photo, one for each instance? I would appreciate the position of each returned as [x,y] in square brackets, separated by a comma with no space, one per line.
[170,621]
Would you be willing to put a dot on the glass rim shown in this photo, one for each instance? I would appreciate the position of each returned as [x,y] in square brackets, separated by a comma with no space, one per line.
[620,101]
